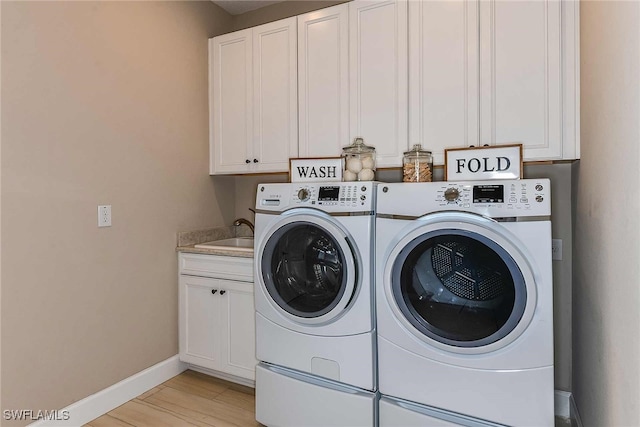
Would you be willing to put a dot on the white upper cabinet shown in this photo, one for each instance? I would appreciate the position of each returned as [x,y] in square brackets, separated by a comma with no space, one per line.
[520,76]
[352,79]
[378,77]
[275,95]
[323,81]
[230,99]
[443,75]
[494,72]
[253,97]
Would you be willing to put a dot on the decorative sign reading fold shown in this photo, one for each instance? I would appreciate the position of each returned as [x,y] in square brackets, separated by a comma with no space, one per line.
[482,163]
[321,169]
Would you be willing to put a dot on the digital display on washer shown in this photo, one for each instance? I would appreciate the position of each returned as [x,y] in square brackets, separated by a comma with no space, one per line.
[488,194]
[328,194]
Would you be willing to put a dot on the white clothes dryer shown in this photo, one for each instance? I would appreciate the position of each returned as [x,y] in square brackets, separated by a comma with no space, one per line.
[313,293]
[464,299]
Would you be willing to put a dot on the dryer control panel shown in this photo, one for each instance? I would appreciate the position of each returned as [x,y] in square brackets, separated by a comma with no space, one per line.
[332,197]
[496,199]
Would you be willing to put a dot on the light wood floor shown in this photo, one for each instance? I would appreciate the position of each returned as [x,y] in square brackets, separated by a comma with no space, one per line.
[195,399]
[189,399]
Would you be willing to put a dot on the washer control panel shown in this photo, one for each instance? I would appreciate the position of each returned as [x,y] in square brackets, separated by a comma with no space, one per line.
[524,197]
[330,197]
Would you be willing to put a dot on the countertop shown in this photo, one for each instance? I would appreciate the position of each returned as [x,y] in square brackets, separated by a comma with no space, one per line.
[188,239]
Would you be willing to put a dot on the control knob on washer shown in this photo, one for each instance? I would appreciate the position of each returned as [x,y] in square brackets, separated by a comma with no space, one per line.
[303,194]
[451,194]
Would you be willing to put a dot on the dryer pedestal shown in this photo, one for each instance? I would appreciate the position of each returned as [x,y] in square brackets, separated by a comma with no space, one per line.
[398,412]
[510,397]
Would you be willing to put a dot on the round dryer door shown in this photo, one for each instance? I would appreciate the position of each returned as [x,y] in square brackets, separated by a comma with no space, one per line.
[309,269]
[462,285]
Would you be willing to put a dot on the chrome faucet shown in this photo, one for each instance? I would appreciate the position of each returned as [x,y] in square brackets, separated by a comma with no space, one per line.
[246,222]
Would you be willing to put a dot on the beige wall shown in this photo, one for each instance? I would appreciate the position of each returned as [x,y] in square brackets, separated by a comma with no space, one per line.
[1,406]
[102,103]
[561,228]
[606,290]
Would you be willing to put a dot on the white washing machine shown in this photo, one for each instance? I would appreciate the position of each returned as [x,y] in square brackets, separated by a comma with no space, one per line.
[464,301]
[314,302]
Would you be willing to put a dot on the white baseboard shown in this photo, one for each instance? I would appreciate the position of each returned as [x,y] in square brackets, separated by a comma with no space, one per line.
[100,403]
[562,404]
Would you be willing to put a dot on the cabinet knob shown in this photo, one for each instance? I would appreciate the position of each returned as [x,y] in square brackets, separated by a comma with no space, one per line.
[223,292]
[213,291]
[255,160]
[247,161]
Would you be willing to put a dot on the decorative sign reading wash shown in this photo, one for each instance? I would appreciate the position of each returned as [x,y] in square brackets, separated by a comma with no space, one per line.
[323,169]
[478,163]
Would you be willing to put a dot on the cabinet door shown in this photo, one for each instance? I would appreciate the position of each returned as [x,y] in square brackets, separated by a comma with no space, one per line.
[275,96]
[378,77]
[230,95]
[323,82]
[443,75]
[520,76]
[238,349]
[198,316]
[217,325]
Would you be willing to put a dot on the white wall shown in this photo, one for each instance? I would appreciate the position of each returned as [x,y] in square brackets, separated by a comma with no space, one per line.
[606,286]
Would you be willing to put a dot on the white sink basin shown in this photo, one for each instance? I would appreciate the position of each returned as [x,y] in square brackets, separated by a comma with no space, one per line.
[234,243]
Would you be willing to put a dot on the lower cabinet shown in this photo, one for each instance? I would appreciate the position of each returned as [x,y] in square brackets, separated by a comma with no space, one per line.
[217,321]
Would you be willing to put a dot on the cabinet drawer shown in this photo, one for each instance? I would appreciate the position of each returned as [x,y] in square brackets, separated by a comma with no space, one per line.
[223,267]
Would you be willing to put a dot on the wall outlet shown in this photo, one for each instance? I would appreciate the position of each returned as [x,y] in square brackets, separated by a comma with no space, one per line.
[556,249]
[104,215]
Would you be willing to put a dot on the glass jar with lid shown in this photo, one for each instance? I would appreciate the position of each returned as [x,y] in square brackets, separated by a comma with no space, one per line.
[417,165]
[359,161]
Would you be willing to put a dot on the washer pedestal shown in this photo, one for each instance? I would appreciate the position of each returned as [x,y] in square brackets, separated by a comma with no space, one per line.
[289,398]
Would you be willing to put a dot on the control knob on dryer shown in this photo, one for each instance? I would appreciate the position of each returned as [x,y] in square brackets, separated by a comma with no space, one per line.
[451,194]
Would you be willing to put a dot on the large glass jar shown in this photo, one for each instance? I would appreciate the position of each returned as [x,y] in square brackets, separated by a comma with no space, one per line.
[359,161]
[417,165]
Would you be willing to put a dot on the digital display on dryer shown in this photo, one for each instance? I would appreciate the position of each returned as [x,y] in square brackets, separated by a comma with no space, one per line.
[328,194]
[488,194]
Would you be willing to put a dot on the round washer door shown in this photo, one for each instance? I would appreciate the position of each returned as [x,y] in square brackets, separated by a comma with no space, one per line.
[308,267]
[460,282]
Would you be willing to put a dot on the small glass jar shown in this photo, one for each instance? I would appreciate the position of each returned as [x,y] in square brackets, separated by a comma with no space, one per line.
[359,161]
[417,165]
